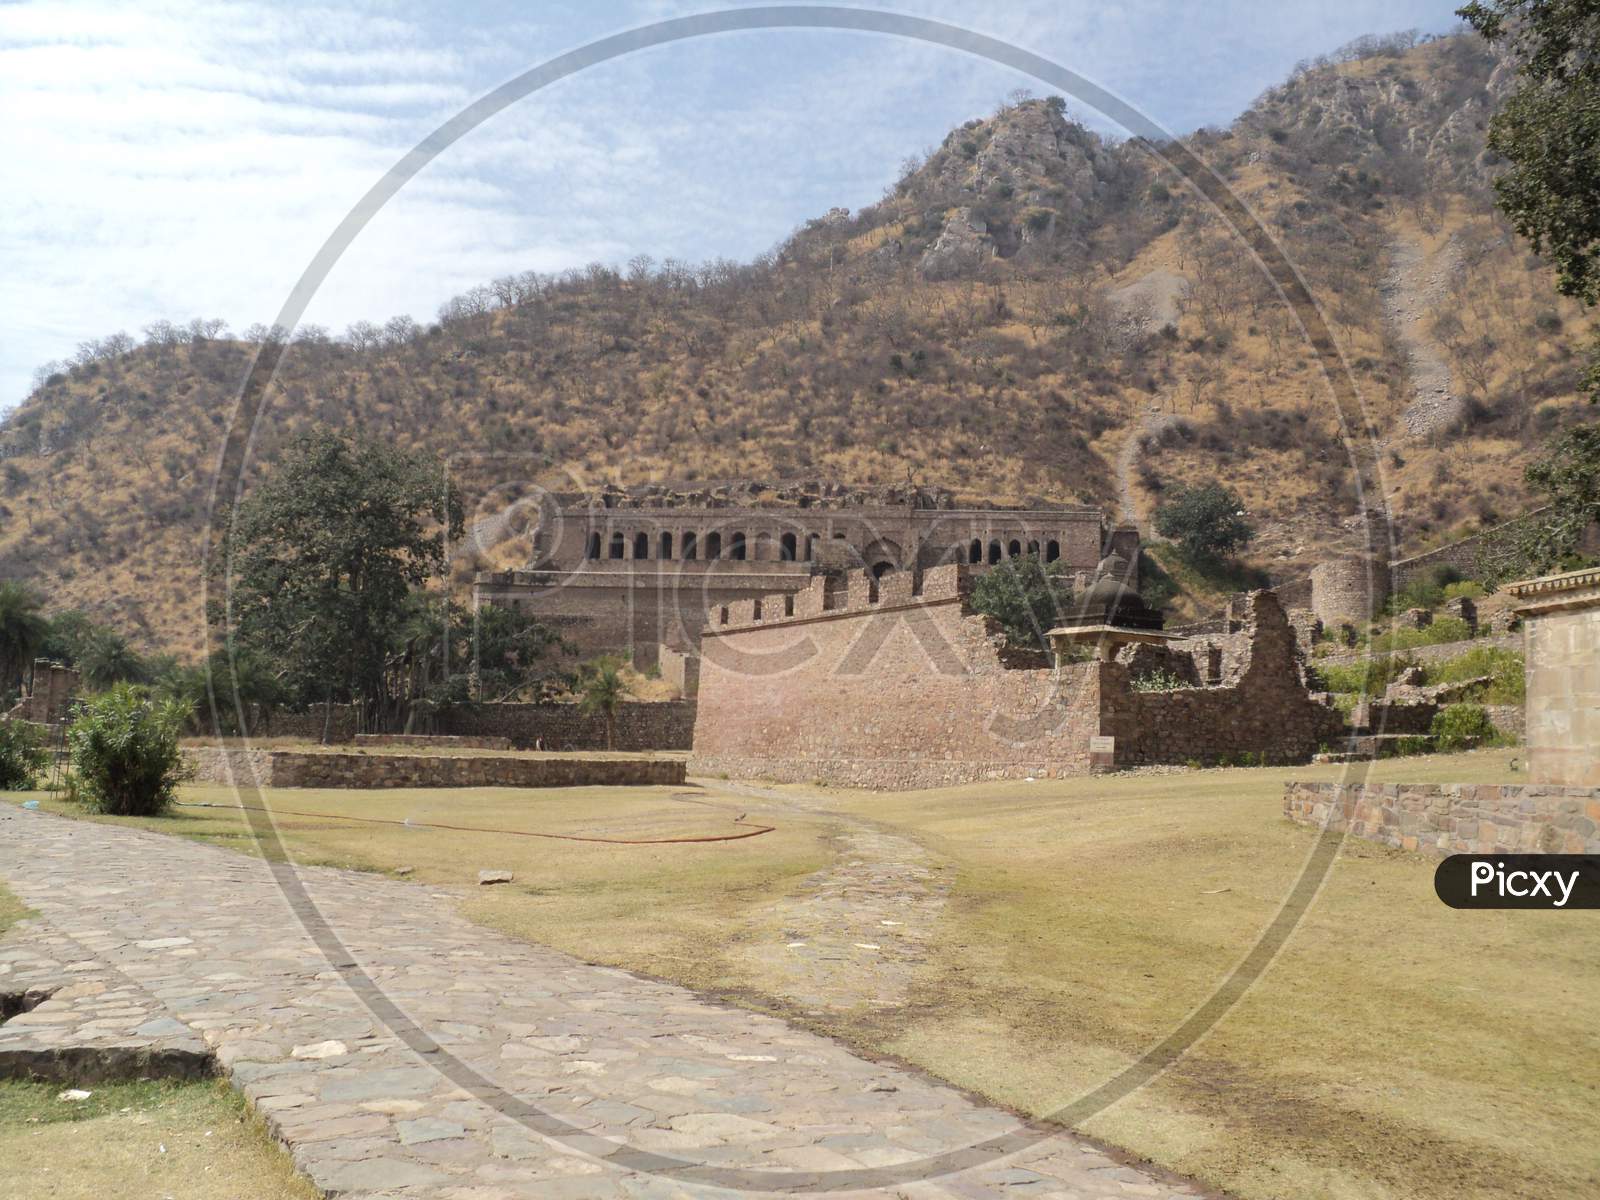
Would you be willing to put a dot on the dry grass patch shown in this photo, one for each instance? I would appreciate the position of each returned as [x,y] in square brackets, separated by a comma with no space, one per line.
[189,1141]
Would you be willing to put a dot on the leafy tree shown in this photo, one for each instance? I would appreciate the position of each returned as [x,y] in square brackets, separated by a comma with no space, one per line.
[1207,521]
[1027,597]
[22,633]
[22,755]
[65,638]
[105,658]
[322,558]
[124,749]
[1548,129]
[1569,475]
[601,691]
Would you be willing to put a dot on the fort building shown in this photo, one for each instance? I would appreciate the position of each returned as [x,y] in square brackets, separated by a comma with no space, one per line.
[636,571]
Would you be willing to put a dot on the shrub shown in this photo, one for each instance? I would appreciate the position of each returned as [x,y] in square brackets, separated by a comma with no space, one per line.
[125,752]
[1509,683]
[1462,725]
[1444,629]
[1370,677]
[22,755]
[1158,681]
[1471,589]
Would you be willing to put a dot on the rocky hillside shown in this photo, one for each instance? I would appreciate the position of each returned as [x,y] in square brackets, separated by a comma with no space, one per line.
[1030,313]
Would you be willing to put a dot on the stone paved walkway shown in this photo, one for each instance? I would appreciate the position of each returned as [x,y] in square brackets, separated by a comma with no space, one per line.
[615,1086]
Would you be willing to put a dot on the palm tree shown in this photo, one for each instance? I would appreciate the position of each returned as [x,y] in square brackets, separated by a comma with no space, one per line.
[23,628]
[107,659]
[601,690]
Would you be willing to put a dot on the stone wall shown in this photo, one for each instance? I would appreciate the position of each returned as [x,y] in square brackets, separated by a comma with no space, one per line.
[1561,625]
[1438,652]
[1348,589]
[661,725]
[1454,818]
[680,670]
[1474,557]
[336,769]
[46,703]
[432,740]
[885,686]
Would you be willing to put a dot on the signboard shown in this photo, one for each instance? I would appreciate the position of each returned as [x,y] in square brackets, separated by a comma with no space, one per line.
[1100,744]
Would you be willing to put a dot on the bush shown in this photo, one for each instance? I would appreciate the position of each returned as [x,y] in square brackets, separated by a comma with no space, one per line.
[1509,683]
[125,752]
[22,755]
[1364,678]
[1444,629]
[1462,725]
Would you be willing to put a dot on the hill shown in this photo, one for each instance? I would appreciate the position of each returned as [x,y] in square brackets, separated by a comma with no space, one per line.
[1032,312]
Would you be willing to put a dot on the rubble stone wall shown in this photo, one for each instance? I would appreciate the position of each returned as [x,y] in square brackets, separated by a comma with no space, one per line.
[1443,819]
[337,769]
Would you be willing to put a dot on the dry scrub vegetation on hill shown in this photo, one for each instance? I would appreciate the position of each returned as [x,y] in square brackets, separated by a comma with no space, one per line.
[1023,301]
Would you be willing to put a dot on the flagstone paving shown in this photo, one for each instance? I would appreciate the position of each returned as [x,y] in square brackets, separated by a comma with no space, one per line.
[400,1051]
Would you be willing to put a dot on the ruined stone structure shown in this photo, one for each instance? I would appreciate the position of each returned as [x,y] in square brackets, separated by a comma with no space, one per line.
[49,697]
[896,683]
[1561,622]
[632,571]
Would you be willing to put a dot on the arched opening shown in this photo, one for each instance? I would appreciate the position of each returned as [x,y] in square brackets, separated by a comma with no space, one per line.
[975,551]
[994,553]
[736,547]
[1052,550]
[787,550]
[641,545]
[690,548]
[666,545]
[594,546]
[880,569]
[811,547]
[713,545]
[619,545]
[1033,549]
[1014,549]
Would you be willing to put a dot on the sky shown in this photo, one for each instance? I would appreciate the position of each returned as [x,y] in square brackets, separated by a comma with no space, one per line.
[167,159]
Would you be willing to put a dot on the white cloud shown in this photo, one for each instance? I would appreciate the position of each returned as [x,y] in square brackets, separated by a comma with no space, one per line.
[181,158]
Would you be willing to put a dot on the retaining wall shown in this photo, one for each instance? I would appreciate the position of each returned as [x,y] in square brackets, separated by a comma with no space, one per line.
[1462,818]
[640,725]
[335,769]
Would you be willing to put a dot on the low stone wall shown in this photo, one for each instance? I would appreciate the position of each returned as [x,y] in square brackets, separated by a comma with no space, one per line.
[1460,818]
[440,741]
[335,769]
[640,725]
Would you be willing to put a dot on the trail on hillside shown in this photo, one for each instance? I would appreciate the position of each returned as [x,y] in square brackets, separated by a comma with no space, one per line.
[1152,423]
[1412,288]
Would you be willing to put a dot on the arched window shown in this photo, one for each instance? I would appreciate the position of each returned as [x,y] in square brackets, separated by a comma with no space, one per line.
[594,545]
[1014,549]
[786,548]
[666,545]
[690,549]
[975,551]
[994,553]
[1052,550]
[641,545]
[619,545]
[736,547]
[1033,549]
[713,545]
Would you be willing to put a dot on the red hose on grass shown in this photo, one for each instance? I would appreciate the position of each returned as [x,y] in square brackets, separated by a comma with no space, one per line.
[560,837]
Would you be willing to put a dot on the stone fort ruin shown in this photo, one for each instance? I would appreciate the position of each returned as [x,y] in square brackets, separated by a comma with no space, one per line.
[635,571]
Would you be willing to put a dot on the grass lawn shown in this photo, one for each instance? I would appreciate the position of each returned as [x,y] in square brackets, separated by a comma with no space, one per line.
[1396,1048]
[183,1141]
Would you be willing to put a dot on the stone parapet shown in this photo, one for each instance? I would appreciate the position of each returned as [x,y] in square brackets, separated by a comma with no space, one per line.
[1460,818]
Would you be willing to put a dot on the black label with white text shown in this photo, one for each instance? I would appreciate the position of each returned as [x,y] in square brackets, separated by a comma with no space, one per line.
[1519,881]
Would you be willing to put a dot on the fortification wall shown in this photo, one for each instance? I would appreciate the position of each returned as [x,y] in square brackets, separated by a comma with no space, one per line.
[1348,589]
[875,685]
[1454,818]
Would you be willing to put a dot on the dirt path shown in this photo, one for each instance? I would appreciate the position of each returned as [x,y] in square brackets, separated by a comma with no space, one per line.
[1412,289]
[1151,423]
[857,931]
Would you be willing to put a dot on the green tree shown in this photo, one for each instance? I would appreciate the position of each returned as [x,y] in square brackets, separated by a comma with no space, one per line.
[1569,476]
[1207,521]
[321,560]
[68,633]
[106,658]
[1548,130]
[124,749]
[601,692]
[1027,597]
[23,629]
